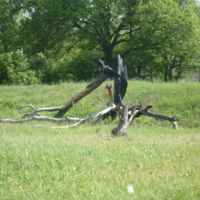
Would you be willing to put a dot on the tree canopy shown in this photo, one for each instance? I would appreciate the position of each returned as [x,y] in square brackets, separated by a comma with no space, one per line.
[154,37]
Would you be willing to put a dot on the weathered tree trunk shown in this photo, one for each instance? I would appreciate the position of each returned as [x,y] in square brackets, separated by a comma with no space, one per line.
[121,130]
[96,83]
[179,72]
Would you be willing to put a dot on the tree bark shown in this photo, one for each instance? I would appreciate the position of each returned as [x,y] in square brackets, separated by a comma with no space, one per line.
[92,117]
[96,83]
[121,130]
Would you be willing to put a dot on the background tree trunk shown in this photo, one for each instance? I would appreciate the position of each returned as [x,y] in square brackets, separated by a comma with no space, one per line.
[166,73]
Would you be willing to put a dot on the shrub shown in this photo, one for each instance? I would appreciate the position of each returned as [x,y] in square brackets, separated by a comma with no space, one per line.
[15,69]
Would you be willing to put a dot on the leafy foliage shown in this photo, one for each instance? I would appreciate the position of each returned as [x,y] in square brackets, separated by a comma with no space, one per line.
[15,69]
[156,39]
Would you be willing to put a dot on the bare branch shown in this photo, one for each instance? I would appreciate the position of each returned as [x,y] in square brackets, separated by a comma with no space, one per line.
[40,118]
[131,116]
[138,106]
[96,83]
[50,109]
[92,117]
[138,113]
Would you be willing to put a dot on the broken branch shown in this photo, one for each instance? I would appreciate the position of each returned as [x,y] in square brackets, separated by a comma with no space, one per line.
[138,113]
[40,118]
[92,117]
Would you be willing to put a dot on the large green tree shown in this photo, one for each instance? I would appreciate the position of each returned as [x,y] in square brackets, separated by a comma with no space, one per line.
[156,38]
[9,28]
[112,27]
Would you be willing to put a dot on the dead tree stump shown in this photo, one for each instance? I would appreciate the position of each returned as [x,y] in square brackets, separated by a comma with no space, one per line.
[121,130]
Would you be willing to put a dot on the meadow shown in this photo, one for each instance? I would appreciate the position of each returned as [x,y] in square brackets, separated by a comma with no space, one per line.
[85,162]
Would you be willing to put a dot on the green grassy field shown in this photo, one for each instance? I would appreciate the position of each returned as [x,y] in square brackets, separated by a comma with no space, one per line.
[86,162]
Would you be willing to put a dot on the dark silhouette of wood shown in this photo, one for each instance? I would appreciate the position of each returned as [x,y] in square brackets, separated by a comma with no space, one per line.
[157,116]
[120,83]
[106,69]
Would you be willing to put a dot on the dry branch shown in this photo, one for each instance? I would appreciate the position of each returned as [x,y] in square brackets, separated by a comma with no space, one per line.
[63,109]
[50,109]
[92,117]
[137,106]
[127,117]
[40,118]
[138,113]
[35,116]
[96,83]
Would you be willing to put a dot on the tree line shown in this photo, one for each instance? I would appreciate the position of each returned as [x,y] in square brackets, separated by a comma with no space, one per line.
[46,41]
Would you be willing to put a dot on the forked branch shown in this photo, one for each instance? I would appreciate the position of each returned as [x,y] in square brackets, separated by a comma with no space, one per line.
[127,117]
[138,113]
[92,117]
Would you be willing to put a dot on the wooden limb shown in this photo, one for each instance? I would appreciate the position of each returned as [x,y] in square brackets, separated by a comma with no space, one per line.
[132,113]
[96,83]
[28,105]
[50,109]
[121,130]
[138,106]
[40,118]
[40,109]
[131,116]
[63,109]
[92,117]
[145,111]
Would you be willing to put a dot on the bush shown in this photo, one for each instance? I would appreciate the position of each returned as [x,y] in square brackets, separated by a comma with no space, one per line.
[78,67]
[15,69]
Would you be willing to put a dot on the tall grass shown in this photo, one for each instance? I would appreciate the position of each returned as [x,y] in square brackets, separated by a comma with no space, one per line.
[181,100]
[85,162]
